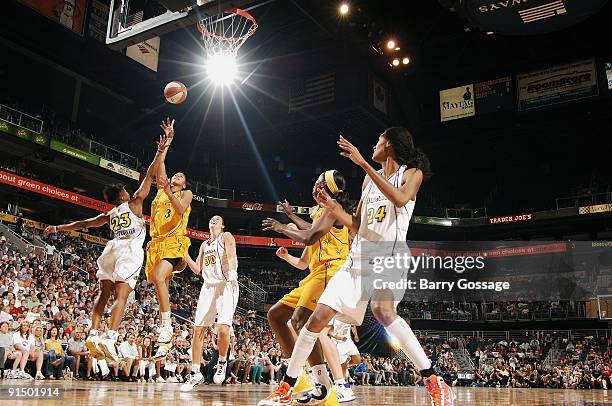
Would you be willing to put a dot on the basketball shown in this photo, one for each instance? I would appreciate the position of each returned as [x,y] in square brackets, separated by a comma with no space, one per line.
[175,92]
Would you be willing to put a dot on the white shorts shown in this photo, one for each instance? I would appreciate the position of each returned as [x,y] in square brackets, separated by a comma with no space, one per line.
[348,292]
[218,301]
[346,349]
[121,261]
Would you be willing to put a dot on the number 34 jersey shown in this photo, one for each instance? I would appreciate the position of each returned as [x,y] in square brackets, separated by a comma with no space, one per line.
[383,226]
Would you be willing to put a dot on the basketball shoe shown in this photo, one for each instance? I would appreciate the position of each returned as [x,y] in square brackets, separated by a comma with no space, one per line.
[281,396]
[439,392]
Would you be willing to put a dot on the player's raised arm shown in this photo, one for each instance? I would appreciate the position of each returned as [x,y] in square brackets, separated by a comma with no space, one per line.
[309,236]
[351,221]
[300,263]
[398,196]
[180,205]
[92,222]
[145,187]
[295,219]
[168,127]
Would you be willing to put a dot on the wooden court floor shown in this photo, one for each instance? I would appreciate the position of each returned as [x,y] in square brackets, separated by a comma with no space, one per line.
[119,393]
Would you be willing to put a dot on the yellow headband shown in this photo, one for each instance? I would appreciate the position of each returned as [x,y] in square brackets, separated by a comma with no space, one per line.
[331,182]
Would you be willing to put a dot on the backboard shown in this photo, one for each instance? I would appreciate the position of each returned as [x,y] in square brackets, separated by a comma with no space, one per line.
[135,21]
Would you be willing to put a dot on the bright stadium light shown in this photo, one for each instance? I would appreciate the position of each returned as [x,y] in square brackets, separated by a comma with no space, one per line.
[396,62]
[221,68]
[391,44]
[406,60]
[344,9]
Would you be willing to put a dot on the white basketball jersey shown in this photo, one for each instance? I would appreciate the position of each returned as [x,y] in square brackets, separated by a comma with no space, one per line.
[382,221]
[125,225]
[212,271]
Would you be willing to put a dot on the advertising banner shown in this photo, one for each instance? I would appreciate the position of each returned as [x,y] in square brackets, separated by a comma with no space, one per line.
[457,102]
[120,169]
[74,152]
[69,13]
[146,53]
[558,84]
[22,133]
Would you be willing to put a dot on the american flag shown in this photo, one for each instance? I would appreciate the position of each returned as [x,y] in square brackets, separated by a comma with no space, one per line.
[312,91]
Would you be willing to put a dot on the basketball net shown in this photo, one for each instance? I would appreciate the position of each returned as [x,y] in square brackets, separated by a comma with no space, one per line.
[225,34]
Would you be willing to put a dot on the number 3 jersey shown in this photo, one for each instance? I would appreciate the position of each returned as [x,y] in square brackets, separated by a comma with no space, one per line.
[215,261]
[165,221]
[383,227]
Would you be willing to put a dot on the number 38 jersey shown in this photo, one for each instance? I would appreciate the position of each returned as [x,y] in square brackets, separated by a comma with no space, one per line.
[383,226]
[214,258]
[125,225]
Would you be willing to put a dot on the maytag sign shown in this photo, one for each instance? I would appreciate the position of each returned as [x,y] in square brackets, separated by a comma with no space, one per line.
[457,102]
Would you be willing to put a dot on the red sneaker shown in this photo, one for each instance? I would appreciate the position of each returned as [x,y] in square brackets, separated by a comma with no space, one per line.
[441,394]
[281,396]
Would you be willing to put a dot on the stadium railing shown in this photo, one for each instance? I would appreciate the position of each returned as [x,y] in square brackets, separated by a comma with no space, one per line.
[21,119]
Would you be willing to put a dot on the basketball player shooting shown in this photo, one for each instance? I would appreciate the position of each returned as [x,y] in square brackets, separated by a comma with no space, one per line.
[218,264]
[169,243]
[381,220]
[122,258]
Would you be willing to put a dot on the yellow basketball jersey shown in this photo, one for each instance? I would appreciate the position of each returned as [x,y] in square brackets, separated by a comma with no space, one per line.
[331,250]
[165,221]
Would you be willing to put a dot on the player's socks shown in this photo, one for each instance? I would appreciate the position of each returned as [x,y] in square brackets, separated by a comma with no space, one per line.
[166,320]
[302,349]
[409,343]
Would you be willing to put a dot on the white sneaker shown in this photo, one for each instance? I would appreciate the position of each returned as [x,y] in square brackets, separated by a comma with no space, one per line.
[172,379]
[165,335]
[40,376]
[107,346]
[344,393]
[162,351]
[25,375]
[194,380]
[219,376]
[92,345]
[160,380]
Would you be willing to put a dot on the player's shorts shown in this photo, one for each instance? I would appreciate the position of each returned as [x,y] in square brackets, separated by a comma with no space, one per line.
[121,261]
[165,248]
[346,349]
[309,290]
[217,301]
[349,292]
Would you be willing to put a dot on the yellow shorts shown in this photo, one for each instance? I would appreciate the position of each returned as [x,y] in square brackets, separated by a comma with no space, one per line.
[165,248]
[310,289]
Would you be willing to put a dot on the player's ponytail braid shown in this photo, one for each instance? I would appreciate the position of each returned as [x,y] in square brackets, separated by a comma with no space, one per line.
[405,151]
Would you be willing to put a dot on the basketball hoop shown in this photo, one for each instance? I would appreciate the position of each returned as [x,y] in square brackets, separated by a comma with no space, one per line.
[225,35]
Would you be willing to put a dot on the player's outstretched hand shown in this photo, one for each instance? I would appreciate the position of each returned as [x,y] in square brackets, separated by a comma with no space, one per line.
[164,183]
[326,201]
[50,230]
[168,127]
[282,252]
[163,142]
[287,208]
[351,152]
[270,224]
